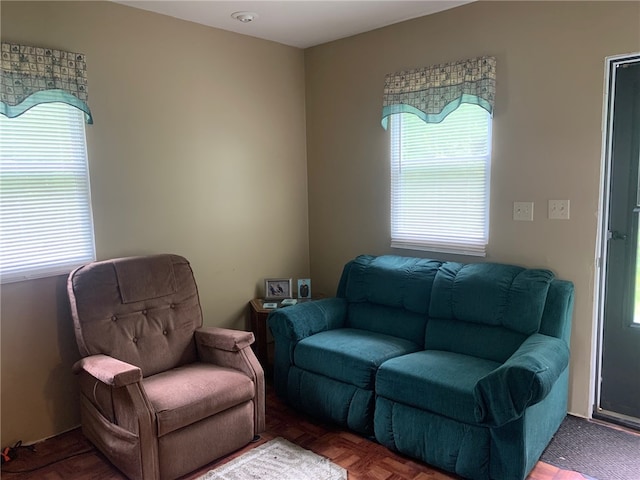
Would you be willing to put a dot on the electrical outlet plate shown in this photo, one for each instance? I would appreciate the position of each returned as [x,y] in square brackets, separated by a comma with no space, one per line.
[559,209]
[523,211]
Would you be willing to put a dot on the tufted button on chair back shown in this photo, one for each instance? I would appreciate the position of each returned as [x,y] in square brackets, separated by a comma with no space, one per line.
[140,310]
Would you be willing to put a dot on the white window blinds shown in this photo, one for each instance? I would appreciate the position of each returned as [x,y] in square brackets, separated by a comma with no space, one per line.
[46,226]
[440,182]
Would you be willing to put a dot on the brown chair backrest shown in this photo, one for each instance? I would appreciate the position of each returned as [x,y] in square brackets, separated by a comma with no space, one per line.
[141,310]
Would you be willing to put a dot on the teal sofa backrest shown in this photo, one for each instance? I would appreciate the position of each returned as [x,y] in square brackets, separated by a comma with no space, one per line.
[482,309]
[485,309]
[556,319]
[389,294]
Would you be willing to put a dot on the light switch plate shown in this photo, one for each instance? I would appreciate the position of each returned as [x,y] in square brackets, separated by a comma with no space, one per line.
[559,209]
[523,211]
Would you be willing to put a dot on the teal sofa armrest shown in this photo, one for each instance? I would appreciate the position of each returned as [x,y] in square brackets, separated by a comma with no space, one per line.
[289,325]
[306,319]
[524,379]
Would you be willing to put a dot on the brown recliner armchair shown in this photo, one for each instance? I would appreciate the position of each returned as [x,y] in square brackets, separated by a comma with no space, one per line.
[160,395]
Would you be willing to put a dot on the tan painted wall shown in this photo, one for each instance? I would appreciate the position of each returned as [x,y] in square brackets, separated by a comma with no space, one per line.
[546,138]
[198,148]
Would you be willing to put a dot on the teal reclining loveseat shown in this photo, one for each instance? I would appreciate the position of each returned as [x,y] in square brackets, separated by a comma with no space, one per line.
[462,366]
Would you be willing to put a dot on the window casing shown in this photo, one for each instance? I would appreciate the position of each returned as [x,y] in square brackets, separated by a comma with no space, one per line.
[46,225]
[440,176]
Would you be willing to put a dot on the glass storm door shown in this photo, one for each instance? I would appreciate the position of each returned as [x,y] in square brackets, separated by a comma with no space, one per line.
[620,348]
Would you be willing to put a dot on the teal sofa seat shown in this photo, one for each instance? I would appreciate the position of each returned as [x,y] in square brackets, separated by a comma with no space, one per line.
[462,366]
[349,355]
[434,380]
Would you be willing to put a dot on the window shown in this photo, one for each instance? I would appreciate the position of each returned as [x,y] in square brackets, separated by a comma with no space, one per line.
[46,226]
[440,181]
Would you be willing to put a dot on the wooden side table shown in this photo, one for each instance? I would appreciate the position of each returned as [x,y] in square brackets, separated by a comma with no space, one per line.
[263,345]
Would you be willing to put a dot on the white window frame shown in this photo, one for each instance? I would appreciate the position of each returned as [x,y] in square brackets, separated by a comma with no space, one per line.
[46,221]
[453,219]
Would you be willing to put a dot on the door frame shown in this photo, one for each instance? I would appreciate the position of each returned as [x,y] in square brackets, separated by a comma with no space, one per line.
[602,244]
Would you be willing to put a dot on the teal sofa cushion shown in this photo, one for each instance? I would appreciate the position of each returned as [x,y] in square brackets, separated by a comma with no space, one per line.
[482,341]
[400,282]
[440,382]
[387,320]
[491,294]
[349,355]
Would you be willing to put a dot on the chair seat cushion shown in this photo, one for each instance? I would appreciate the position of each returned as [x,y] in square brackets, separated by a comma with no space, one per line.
[187,394]
[349,355]
[437,381]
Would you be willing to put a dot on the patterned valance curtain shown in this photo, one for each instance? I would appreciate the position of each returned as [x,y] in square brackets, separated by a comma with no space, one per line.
[434,92]
[34,75]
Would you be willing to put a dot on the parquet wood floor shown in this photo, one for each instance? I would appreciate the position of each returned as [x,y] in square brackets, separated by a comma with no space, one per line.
[364,459]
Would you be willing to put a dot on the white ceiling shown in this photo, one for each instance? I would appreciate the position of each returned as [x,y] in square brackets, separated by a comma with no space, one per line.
[297,23]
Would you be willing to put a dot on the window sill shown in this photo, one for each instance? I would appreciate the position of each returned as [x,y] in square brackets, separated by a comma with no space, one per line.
[469,250]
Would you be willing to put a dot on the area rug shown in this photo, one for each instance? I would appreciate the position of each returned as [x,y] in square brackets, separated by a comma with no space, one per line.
[595,450]
[278,459]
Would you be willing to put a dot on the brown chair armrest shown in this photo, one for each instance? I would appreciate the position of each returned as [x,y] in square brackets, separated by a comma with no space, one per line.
[130,407]
[109,370]
[224,338]
[231,349]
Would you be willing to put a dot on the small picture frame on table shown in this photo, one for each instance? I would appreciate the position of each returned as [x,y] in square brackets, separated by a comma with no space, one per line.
[277,288]
[304,288]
